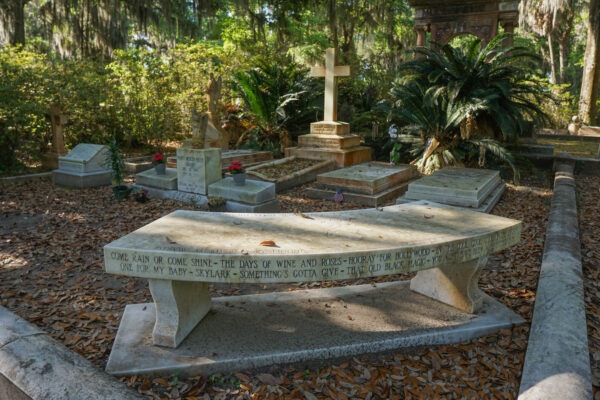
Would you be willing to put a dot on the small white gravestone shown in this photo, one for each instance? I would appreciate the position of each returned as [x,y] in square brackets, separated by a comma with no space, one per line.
[85,157]
[85,166]
[197,169]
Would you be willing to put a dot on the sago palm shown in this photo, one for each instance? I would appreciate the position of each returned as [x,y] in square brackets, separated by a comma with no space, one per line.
[499,74]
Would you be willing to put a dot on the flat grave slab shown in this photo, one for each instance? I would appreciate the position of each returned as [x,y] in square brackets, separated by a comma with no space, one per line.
[465,187]
[367,178]
[253,331]
[372,183]
[253,192]
[293,179]
[150,178]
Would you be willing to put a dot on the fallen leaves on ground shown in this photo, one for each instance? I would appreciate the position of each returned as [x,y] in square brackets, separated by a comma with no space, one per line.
[588,193]
[51,274]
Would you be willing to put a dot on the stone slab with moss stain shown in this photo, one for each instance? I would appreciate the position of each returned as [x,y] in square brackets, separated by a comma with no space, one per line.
[291,180]
[301,326]
[464,187]
[197,169]
[329,141]
[150,178]
[253,192]
[189,246]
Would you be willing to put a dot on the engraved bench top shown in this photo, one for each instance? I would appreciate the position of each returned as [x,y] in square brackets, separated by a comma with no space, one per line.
[229,247]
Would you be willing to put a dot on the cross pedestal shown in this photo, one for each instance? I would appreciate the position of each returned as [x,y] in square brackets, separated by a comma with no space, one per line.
[330,139]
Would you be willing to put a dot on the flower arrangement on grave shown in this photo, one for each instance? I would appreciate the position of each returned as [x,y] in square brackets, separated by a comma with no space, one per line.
[140,195]
[238,172]
[158,159]
[236,167]
[159,164]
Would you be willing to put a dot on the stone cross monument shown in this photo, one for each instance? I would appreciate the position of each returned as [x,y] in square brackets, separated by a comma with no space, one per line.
[330,72]
[58,121]
[330,139]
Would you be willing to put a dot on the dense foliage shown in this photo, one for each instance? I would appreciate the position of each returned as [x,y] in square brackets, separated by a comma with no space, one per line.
[134,69]
[462,102]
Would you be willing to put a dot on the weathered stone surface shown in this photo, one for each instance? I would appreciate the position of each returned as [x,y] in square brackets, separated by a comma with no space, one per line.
[150,178]
[179,307]
[197,169]
[217,247]
[454,284]
[486,206]
[292,180]
[36,366]
[271,206]
[373,200]
[329,141]
[81,179]
[465,187]
[342,157]
[557,364]
[246,332]
[253,192]
[368,178]
[85,157]
[245,156]
[329,128]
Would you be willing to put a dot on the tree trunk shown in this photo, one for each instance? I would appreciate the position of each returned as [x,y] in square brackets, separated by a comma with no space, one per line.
[19,34]
[333,24]
[591,70]
[552,58]
[562,60]
[12,21]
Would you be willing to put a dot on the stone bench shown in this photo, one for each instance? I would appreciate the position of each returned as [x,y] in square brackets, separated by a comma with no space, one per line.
[183,251]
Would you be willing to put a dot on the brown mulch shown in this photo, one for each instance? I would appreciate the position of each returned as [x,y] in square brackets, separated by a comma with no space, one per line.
[51,274]
[588,195]
[287,168]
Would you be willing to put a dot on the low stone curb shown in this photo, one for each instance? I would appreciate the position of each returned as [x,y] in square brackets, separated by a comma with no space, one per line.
[28,177]
[35,366]
[557,364]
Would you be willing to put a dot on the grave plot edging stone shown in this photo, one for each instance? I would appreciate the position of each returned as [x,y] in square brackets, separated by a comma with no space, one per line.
[557,364]
[35,366]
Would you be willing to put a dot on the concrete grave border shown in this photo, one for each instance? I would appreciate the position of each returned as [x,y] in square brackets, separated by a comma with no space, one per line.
[557,363]
[35,366]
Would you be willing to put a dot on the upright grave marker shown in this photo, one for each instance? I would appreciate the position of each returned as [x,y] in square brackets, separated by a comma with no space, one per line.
[58,121]
[331,139]
[85,166]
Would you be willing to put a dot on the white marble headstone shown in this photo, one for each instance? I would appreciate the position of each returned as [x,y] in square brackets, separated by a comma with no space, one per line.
[85,157]
[465,187]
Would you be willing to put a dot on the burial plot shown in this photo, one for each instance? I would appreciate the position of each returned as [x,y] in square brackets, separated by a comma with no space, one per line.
[331,139]
[478,189]
[370,184]
[289,172]
[184,250]
[245,156]
[85,166]
[253,197]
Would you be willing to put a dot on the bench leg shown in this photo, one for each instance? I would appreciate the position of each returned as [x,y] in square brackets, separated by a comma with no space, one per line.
[455,285]
[180,305]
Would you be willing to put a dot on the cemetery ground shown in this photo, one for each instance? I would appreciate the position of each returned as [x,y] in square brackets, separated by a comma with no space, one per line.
[52,275]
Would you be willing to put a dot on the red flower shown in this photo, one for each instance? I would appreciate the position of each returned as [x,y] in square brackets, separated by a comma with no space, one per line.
[158,157]
[236,167]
